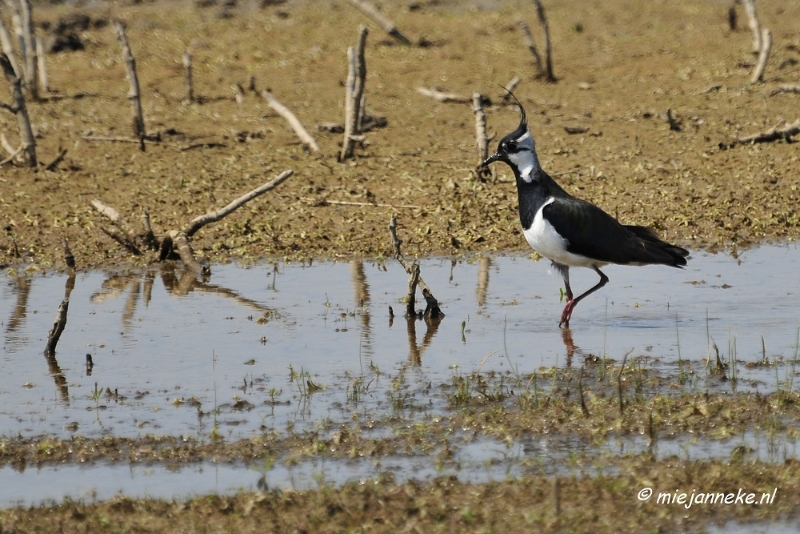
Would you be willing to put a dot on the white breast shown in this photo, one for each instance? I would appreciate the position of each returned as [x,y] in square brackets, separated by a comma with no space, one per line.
[544,239]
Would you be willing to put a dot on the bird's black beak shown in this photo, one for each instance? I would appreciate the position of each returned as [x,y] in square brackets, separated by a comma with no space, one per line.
[491,159]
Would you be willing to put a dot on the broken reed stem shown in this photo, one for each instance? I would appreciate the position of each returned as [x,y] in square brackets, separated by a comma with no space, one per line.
[58,327]
[214,216]
[432,305]
[527,37]
[31,63]
[44,80]
[187,73]
[763,56]
[443,97]
[8,48]
[755,26]
[298,128]
[548,51]
[382,20]
[21,111]
[619,382]
[354,94]
[134,94]
[481,139]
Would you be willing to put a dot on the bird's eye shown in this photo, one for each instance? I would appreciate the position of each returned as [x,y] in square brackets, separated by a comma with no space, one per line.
[511,146]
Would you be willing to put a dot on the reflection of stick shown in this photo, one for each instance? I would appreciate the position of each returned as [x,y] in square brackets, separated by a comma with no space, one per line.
[214,216]
[440,96]
[763,56]
[432,308]
[58,328]
[383,21]
[133,92]
[298,128]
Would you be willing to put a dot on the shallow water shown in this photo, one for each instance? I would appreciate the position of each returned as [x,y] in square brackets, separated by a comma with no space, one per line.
[167,347]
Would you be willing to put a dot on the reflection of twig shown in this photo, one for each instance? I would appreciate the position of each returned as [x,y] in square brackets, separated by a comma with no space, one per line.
[432,308]
[415,351]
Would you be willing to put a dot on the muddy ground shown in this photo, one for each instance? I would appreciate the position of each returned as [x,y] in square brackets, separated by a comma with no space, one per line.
[620,66]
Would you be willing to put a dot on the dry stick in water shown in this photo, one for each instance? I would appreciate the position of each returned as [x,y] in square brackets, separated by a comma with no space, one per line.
[443,97]
[763,56]
[481,139]
[383,21]
[531,44]
[548,51]
[298,128]
[755,26]
[187,72]
[181,243]
[354,94]
[134,94]
[58,328]
[214,216]
[18,108]
[432,308]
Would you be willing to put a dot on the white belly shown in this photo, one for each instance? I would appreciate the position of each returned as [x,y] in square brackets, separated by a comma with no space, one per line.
[544,239]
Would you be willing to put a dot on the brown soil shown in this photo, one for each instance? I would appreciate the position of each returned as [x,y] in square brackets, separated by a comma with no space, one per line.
[638,59]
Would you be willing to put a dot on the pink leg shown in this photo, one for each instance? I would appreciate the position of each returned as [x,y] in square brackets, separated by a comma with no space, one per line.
[566,315]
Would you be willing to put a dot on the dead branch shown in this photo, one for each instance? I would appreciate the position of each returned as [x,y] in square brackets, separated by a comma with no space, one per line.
[149,237]
[122,239]
[8,48]
[481,140]
[53,164]
[58,327]
[122,234]
[382,20]
[354,94]
[505,96]
[787,131]
[755,26]
[440,96]
[21,111]
[12,156]
[763,56]
[548,52]
[181,242]
[527,37]
[31,72]
[432,309]
[41,65]
[785,88]
[214,216]
[298,128]
[187,73]
[113,139]
[134,94]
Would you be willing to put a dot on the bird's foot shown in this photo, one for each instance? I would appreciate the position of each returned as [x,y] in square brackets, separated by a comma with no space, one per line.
[566,315]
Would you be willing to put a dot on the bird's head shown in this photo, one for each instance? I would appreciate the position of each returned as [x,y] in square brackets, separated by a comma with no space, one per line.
[517,149]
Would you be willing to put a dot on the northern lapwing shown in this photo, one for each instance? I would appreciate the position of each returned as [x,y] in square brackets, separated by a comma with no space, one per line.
[569,231]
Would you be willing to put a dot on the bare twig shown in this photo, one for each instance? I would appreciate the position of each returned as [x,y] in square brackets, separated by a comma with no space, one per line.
[53,164]
[58,327]
[763,56]
[21,111]
[773,134]
[31,67]
[432,309]
[527,37]
[181,243]
[786,88]
[298,128]
[214,216]
[8,48]
[122,234]
[354,94]
[41,65]
[382,20]
[548,52]
[187,74]
[114,139]
[440,96]
[134,94]
[755,26]
[12,156]
[481,140]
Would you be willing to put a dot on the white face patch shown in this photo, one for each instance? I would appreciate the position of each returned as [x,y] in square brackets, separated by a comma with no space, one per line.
[525,158]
